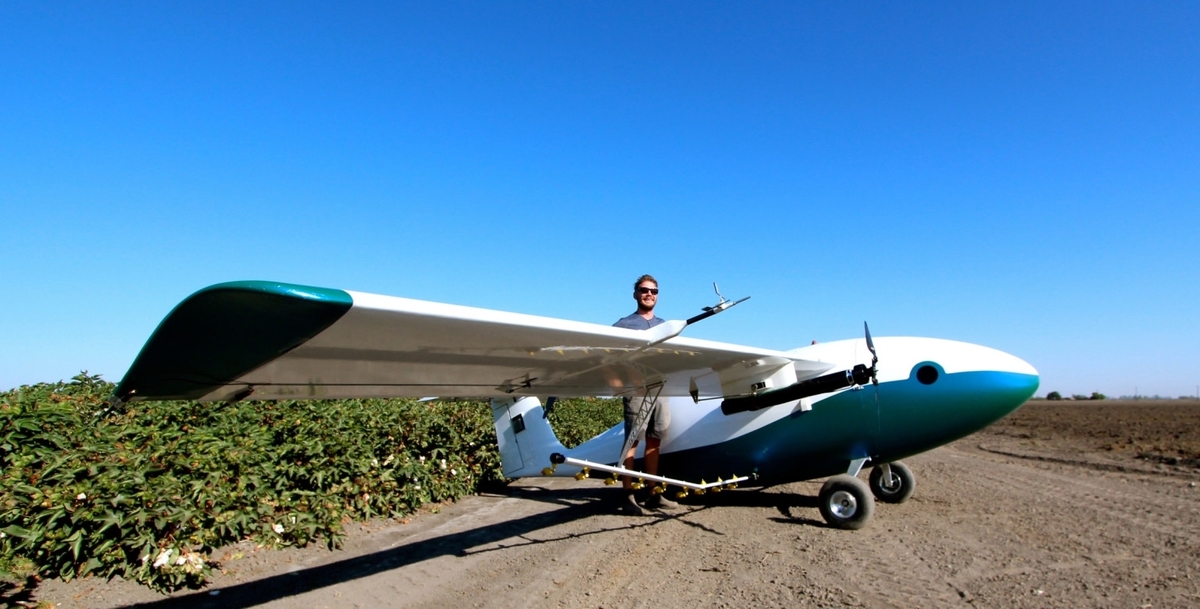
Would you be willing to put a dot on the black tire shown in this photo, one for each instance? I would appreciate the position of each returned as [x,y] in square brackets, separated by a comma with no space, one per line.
[846,503]
[896,490]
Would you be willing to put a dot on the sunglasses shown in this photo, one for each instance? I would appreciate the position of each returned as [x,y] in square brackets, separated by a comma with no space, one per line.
[648,291]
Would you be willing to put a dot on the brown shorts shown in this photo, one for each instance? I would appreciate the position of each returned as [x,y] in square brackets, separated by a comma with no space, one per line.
[660,419]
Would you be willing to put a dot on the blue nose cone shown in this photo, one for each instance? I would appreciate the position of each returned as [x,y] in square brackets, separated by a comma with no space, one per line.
[934,405]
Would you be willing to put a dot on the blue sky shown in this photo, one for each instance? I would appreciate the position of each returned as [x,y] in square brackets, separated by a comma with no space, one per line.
[1020,175]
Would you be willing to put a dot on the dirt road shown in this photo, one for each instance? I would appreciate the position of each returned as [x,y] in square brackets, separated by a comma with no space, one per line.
[996,521]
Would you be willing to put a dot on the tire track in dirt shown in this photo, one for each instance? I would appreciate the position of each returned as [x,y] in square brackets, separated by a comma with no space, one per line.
[1057,535]
[530,568]
[1134,501]
[890,574]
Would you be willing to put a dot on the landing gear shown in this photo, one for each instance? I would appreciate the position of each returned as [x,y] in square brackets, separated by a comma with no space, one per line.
[892,482]
[846,503]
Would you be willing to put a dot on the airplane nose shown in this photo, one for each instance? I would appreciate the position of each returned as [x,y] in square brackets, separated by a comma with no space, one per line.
[1003,385]
[947,390]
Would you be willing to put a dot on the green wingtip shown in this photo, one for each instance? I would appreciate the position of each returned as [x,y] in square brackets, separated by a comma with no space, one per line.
[224,331]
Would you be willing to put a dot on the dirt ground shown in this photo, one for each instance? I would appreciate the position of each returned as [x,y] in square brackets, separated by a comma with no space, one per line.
[1063,504]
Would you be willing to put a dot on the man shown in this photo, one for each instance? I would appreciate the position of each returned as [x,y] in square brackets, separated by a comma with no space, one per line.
[645,293]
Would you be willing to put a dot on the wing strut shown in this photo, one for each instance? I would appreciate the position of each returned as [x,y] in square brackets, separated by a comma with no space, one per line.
[642,420]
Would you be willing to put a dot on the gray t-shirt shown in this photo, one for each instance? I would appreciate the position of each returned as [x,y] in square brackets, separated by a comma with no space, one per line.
[637,322]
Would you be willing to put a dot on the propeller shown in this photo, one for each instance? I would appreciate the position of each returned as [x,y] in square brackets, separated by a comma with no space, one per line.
[874,355]
[874,368]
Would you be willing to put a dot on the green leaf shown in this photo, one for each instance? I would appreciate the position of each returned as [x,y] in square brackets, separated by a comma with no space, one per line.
[17,531]
[76,540]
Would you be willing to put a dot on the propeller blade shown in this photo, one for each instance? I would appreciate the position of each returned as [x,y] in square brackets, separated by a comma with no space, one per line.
[874,360]
[870,344]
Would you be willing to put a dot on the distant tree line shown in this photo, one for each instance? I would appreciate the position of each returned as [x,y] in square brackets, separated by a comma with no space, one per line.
[1054,396]
[1096,395]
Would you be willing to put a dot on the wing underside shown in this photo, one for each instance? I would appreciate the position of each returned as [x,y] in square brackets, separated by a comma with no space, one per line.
[272,340]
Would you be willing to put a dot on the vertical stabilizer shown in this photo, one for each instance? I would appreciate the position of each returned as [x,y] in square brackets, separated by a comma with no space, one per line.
[524,435]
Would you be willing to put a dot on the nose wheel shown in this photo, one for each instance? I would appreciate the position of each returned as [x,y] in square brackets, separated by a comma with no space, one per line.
[846,502]
[892,482]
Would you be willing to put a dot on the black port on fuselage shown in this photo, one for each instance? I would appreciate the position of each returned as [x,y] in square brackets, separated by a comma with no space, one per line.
[928,375]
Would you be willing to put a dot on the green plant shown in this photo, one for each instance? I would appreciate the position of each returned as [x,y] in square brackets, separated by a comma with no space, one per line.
[148,493]
[578,420]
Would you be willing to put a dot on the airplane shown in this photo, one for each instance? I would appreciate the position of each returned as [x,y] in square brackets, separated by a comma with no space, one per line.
[740,415]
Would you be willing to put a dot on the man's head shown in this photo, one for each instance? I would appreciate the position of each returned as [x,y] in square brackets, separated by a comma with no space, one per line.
[645,292]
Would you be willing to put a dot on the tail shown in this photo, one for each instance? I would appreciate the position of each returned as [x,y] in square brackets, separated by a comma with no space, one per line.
[525,436]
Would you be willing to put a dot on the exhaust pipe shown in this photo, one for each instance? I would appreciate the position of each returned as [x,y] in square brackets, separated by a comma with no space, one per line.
[859,375]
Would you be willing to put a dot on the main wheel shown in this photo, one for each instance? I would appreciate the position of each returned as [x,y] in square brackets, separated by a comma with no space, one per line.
[846,503]
[898,485]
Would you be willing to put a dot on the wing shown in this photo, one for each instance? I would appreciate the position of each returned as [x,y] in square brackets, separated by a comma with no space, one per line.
[275,340]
